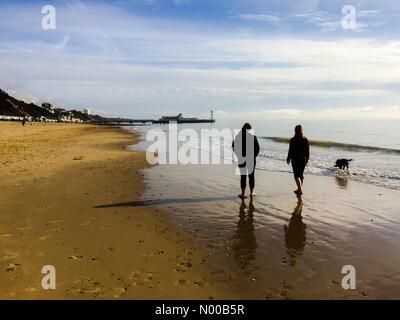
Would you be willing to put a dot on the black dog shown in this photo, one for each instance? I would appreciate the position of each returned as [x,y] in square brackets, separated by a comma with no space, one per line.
[343,164]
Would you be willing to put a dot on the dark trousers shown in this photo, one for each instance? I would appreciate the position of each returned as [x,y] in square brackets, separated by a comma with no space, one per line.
[299,166]
[243,180]
[243,177]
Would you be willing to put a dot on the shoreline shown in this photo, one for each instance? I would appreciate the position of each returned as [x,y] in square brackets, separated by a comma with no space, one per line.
[277,249]
[55,179]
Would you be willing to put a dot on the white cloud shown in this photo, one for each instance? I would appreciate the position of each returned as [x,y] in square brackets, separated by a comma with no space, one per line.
[322,20]
[362,113]
[112,60]
[367,13]
[260,17]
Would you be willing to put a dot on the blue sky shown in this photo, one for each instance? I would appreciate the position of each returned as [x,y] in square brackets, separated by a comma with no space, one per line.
[257,58]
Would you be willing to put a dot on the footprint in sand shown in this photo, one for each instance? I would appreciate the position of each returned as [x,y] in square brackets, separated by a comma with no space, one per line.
[180,282]
[82,287]
[76,257]
[198,283]
[189,252]
[287,289]
[120,292]
[158,253]
[96,292]
[12,267]
[183,266]
[142,278]
[284,293]
[82,258]
[364,293]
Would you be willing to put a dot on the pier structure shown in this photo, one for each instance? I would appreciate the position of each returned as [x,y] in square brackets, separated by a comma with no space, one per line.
[164,120]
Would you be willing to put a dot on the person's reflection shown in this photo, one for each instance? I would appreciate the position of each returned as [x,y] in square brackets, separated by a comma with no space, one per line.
[295,233]
[244,240]
[341,182]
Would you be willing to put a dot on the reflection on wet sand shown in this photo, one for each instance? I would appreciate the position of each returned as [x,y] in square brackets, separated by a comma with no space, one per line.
[244,240]
[342,182]
[295,233]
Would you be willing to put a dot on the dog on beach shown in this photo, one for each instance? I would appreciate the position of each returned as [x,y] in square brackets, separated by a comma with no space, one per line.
[343,164]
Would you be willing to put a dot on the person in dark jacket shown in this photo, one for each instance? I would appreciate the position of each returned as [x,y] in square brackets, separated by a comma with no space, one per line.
[299,154]
[246,155]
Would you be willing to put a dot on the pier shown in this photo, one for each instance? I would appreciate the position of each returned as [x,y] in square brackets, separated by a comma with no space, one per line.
[164,120]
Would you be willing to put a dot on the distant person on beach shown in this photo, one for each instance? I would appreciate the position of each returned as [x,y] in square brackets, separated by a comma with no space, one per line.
[299,154]
[23,122]
[246,148]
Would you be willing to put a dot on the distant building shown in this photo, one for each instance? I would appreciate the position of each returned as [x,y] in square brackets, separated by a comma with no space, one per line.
[87,111]
[48,107]
[178,117]
[64,115]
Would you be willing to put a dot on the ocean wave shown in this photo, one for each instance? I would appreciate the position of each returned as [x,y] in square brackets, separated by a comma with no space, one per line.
[276,162]
[337,145]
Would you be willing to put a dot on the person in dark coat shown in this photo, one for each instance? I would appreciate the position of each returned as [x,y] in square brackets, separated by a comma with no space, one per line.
[299,154]
[247,155]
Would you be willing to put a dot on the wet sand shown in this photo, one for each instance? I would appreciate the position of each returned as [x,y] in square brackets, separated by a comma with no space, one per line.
[72,196]
[54,177]
[277,247]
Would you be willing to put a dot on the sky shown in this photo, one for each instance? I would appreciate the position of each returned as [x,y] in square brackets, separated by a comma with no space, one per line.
[259,59]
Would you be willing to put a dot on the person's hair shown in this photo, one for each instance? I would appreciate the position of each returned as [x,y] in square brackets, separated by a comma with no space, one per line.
[299,132]
[246,126]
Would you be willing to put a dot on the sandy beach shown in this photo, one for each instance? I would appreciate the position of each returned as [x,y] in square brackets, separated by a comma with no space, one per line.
[127,129]
[52,179]
[278,247]
[74,197]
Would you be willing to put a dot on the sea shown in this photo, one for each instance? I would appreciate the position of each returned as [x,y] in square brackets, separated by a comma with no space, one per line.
[373,145]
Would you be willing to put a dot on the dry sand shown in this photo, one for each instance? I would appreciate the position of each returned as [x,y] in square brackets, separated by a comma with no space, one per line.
[53,176]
